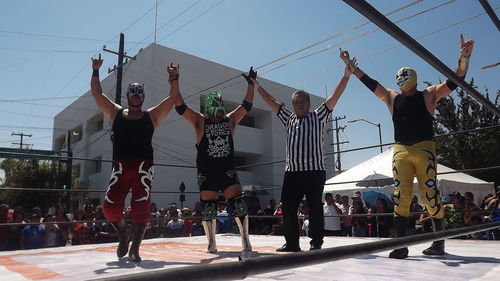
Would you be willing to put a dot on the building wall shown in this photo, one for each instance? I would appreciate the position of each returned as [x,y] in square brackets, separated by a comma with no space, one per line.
[174,141]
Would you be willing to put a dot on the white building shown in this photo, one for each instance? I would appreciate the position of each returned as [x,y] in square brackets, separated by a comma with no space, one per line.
[259,138]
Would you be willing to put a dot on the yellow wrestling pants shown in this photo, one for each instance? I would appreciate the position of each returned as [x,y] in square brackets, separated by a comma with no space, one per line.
[416,160]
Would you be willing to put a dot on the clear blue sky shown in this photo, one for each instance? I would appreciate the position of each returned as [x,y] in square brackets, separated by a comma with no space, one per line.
[47,45]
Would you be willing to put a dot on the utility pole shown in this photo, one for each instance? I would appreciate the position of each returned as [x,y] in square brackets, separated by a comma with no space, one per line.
[119,74]
[338,163]
[21,143]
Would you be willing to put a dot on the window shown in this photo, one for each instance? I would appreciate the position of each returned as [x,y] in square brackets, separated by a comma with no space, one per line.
[240,161]
[248,121]
[76,170]
[95,165]
[95,124]
[59,142]
[76,135]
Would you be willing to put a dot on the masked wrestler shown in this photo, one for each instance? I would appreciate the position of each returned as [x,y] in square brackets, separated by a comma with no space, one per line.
[133,159]
[214,132]
[414,152]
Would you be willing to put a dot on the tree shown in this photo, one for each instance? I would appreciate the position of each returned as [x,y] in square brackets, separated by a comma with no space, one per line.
[22,173]
[468,150]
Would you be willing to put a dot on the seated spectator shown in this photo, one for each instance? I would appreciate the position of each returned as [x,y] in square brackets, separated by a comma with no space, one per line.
[271,207]
[493,204]
[346,222]
[64,227]
[162,212]
[102,231]
[171,209]
[277,231]
[380,226]
[38,211]
[152,228]
[88,207]
[425,221]
[33,236]
[359,223]
[4,230]
[357,197]
[224,224]
[304,222]
[484,206]
[175,225]
[80,229]
[14,239]
[52,231]
[330,209]
[279,210]
[454,211]
[412,221]
[259,226]
[473,216]
[197,227]
[188,221]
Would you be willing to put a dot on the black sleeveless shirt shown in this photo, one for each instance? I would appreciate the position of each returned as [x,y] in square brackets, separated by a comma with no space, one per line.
[216,148]
[132,138]
[412,121]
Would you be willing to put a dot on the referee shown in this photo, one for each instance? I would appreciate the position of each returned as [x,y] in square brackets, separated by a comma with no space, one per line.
[305,161]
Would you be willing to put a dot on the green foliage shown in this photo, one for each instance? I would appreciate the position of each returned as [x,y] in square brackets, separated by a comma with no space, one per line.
[33,174]
[468,150]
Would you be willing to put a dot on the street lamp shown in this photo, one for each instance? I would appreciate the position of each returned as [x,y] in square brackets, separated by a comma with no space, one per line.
[374,124]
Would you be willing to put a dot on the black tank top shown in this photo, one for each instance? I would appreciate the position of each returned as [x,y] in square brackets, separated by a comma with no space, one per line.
[412,121]
[132,138]
[216,148]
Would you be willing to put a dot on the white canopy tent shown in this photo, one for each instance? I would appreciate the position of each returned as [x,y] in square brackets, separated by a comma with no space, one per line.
[379,170]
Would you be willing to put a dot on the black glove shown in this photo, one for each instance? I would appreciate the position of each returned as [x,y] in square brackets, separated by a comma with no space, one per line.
[251,74]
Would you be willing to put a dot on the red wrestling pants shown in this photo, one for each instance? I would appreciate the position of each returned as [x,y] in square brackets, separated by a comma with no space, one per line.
[129,173]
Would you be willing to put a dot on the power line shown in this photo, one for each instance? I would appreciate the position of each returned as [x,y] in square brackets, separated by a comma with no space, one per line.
[356,37]
[348,30]
[86,64]
[199,15]
[193,19]
[388,49]
[38,99]
[43,36]
[171,20]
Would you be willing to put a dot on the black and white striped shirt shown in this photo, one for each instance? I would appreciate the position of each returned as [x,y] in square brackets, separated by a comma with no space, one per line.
[305,139]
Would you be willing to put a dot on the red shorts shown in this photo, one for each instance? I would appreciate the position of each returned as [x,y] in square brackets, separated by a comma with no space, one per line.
[137,174]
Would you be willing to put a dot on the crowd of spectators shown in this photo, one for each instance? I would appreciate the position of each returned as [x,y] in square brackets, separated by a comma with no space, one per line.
[344,216]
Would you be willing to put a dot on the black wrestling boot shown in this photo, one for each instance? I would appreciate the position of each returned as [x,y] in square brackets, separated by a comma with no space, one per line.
[123,238]
[137,234]
[437,247]
[401,225]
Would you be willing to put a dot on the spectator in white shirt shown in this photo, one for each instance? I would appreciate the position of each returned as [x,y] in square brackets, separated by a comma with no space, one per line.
[332,223]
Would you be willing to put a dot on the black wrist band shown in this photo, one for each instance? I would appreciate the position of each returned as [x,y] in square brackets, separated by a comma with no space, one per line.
[181,108]
[369,82]
[246,105]
[175,77]
[95,72]
[451,85]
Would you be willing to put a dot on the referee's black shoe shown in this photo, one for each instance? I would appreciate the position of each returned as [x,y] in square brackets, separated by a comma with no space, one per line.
[286,248]
[315,247]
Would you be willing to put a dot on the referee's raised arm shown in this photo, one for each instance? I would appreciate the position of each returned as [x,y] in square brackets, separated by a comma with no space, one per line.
[270,100]
[331,101]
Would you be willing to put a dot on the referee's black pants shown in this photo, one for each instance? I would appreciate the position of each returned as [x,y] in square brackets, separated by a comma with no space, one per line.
[295,186]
